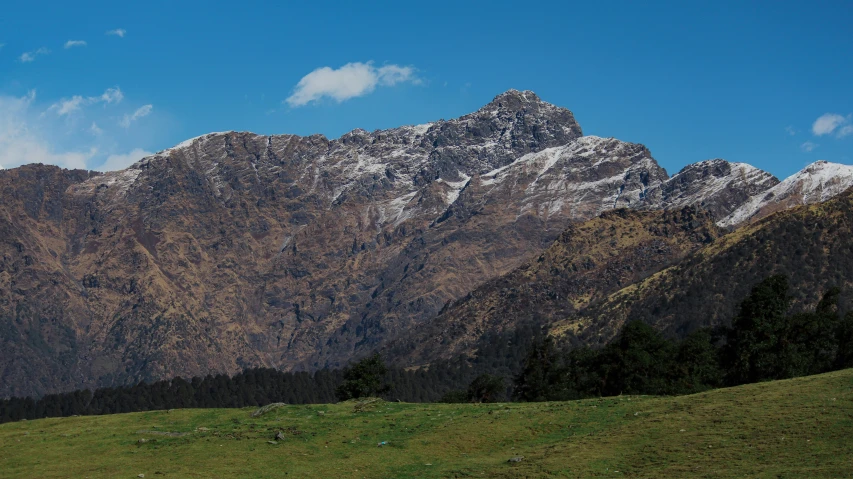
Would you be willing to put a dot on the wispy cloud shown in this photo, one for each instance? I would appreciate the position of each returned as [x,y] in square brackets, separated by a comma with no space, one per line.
[111,95]
[349,81]
[808,146]
[28,135]
[845,131]
[21,143]
[827,123]
[2,45]
[67,106]
[140,112]
[75,103]
[791,130]
[119,32]
[28,57]
[74,43]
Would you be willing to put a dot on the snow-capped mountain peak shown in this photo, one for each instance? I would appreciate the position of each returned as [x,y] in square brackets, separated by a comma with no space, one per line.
[815,183]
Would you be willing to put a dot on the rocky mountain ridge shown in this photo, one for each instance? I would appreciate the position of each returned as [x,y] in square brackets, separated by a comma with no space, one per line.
[816,183]
[233,250]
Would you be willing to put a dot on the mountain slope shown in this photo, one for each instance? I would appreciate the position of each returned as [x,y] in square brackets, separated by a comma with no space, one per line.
[809,244]
[588,261]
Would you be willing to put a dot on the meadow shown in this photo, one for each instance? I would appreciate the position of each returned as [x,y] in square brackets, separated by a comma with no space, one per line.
[792,428]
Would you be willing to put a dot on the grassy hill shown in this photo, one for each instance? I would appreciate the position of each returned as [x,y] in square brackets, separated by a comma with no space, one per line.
[793,428]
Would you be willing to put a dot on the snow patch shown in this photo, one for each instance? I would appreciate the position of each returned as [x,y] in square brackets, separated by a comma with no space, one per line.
[455,188]
[394,211]
[188,143]
[421,129]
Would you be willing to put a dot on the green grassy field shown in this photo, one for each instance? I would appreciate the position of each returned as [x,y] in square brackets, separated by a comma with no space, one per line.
[796,428]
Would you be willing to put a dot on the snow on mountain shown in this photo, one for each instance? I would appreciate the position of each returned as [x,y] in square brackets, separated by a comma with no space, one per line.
[582,178]
[815,183]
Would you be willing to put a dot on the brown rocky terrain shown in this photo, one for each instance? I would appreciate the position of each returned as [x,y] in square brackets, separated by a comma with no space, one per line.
[234,250]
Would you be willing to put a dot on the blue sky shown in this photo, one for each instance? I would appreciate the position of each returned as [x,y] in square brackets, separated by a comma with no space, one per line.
[767,83]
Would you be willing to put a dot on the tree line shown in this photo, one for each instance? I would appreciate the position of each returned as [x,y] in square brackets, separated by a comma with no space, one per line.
[764,342]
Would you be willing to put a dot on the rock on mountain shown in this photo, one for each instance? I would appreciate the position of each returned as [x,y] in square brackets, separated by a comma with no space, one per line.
[815,183]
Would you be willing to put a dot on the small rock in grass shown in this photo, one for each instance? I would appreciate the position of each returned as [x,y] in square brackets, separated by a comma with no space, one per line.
[142,441]
[516,459]
[272,442]
[269,407]
[279,436]
[140,475]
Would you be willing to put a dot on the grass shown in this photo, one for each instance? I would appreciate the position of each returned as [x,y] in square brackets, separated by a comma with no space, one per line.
[795,428]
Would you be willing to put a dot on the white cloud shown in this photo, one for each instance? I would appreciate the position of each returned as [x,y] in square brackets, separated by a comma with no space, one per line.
[144,110]
[349,81]
[827,123]
[791,130]
[119,32]
[74,43]
[111,95]
[95,130]
[845,131]
[20,143]
[808,146]
[28,57]
[120,162]
[64,107]
[75,103]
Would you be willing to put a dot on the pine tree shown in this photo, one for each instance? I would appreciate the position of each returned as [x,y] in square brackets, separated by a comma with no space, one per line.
[751,352]
[364,379]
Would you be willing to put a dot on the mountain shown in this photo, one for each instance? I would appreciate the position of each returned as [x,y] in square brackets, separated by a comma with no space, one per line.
[234,250]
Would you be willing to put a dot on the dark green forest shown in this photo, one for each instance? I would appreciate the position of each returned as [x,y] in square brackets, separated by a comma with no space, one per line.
[764,341]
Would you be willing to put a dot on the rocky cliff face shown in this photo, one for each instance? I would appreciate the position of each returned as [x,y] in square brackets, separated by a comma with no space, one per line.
[717,186]
[233,250]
